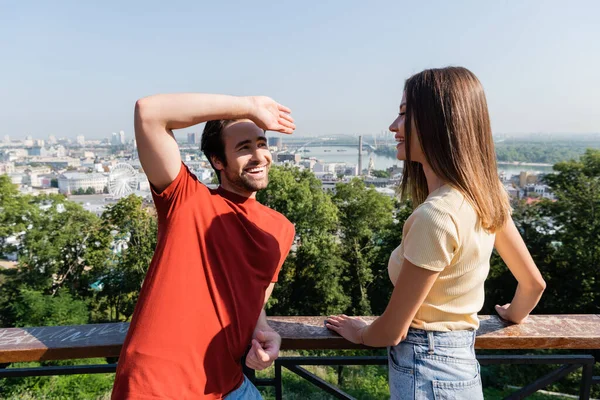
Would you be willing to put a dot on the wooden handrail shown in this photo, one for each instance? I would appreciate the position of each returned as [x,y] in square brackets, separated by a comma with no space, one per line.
[563,331]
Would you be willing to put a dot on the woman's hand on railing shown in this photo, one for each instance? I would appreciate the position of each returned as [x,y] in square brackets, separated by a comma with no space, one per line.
[505,313]
[350,328]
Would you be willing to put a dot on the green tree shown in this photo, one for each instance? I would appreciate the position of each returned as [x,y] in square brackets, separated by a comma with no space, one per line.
[90,190]
[377,173]
[563,237]
[380,289]
[536,230]
[130,231]
[33,308]
[310,282]
[60,241]
[16,213]
[365,214]
[574,284]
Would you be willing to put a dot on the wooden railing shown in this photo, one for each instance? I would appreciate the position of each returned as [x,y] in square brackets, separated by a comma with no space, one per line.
[577,332]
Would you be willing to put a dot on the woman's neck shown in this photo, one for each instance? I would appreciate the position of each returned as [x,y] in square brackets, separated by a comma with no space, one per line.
[433,181]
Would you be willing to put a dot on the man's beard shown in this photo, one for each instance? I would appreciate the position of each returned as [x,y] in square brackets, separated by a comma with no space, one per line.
[245,182]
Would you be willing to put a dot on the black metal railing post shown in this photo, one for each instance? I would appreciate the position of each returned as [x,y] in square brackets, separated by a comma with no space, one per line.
[278,381]
[586,381]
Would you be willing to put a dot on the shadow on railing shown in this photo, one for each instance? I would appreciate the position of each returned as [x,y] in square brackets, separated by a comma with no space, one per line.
[553,332]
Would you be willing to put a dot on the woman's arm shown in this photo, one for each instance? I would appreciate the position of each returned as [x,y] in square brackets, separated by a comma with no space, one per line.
[412,287]
[513,251]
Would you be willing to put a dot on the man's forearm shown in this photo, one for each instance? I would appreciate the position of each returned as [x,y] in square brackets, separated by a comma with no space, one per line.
[181,110]
[262,324]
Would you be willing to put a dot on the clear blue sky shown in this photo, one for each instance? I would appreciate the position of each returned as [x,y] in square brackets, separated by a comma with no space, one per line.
[70,67]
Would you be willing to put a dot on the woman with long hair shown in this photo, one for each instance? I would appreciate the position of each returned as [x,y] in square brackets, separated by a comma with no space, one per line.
[461,212]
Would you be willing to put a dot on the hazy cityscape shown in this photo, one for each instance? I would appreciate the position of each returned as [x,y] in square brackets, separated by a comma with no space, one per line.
[98,172]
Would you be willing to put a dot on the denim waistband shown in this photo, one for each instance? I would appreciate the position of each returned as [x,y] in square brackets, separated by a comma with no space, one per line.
[445,339]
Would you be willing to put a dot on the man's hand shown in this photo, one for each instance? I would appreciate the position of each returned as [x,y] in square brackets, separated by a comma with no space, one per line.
[265,350]
[270,115]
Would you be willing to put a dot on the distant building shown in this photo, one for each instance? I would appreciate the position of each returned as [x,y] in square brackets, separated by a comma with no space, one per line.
[40,151]
[17,178]
[275,141]
[328,181]
[324,167]
[36,151]
[288,157]
[527,178]
[118,139]
[377,182]
[15,154]
[395,171]
[33,175]
[387,191]
[58,162]
[192,138]
[7,167]
[203,174]
[308,164]
[347,170]
[80,140]
[513,192]
[543,191]
[70,182]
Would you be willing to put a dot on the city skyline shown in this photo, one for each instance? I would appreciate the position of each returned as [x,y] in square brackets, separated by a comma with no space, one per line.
[77,69]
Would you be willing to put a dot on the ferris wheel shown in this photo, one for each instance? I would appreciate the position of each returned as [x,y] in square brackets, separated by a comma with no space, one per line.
[122,180]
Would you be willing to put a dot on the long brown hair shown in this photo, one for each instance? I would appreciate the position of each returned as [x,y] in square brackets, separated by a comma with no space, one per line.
[450,113]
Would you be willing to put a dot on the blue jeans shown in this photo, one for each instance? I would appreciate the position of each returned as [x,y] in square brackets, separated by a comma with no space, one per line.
[245,392]
[435,365]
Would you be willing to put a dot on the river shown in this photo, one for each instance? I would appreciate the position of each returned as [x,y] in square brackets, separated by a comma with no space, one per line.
[349,155]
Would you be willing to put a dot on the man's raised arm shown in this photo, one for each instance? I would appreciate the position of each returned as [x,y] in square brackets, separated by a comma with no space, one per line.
[156,117]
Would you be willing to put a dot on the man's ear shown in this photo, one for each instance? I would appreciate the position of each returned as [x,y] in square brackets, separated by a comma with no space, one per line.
[217,163]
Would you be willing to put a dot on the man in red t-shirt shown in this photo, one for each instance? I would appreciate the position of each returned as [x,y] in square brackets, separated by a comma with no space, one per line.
[218,253]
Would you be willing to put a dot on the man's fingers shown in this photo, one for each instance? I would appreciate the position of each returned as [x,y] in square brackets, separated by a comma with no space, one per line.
[251,354]
[333,327]
[259,352]
[286,117]
[251,360]
[285,130]
[283,108]
[256,365]
[262,354]
[281,128]
[286,123]
[250,363]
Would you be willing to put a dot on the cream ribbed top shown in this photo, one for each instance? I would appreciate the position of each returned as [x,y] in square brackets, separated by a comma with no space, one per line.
[444,234]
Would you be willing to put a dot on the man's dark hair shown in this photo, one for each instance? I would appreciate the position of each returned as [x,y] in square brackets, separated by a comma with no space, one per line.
[212,143]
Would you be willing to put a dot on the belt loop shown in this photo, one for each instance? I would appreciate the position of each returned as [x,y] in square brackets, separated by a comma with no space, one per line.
[431,342]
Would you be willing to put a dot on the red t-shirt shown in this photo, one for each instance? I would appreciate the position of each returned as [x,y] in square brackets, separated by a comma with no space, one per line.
[216,254]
